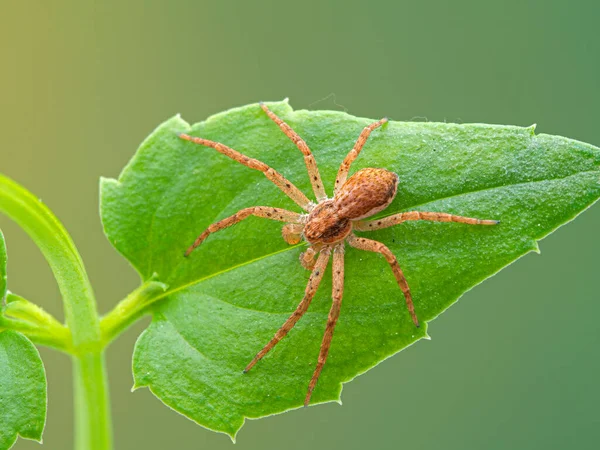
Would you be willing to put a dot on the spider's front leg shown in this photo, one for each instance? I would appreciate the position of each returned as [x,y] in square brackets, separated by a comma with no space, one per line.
[313,284]
[377,247]
[267,212]
[337,293]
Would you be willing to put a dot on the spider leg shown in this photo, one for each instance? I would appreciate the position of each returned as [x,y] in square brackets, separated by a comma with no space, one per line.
[309,159]
[368,225]
[307,258]
[279,180]
[267,212]
[375,246]
[309,293]
[351,156]
[292,233]
[334,314]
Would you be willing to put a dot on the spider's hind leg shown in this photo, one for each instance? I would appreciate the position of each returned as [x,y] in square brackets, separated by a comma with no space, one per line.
[286,186]
[309,159]
[340,179]
[390,221]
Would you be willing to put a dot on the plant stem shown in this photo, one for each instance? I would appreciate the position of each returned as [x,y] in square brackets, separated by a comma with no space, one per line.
[92,421]
[40,327]
[130,309]
[93,428]
[57,339]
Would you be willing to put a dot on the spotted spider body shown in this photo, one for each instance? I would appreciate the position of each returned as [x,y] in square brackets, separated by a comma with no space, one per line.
[365,193]
[327,226]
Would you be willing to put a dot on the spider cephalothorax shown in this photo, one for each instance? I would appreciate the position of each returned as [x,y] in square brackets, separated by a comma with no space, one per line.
[367,192]
[327,226]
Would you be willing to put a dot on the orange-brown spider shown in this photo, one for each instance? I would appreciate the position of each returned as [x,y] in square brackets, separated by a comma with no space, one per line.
[327,225]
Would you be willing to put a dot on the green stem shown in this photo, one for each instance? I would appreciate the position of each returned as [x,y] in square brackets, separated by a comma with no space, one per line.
[35,323]
[130,309]
[93,429]
[37,335]
[92,421]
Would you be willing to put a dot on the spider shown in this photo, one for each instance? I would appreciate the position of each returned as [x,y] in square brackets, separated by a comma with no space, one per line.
[328,225]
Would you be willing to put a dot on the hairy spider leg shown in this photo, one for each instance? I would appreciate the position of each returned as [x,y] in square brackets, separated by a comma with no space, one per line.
[279,180]
[352,154]
[367,225]
[307,258]
[309,159]
[309,293]
[267,212]
[337,293]
[377,247]
[292,233]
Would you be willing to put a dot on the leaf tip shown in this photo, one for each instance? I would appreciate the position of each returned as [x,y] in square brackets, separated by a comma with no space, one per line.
[532,128]
[107,182]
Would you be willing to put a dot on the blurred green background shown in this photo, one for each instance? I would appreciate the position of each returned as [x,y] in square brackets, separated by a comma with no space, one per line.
[82,83]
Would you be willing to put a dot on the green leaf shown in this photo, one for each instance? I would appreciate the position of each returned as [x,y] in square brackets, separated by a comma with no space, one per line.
[2,267]
[22,390]
[22,379]
[225,302]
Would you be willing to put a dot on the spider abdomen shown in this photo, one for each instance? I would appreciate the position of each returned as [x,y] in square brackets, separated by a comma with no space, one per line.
[365,193]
